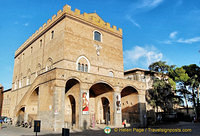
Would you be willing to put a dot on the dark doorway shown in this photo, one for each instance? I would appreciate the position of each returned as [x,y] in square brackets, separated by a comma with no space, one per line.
[106,110]
[73,108]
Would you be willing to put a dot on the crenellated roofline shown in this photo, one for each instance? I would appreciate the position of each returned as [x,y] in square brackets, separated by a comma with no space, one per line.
[91,18]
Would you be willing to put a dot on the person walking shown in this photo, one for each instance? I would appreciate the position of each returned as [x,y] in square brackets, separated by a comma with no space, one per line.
[124,123]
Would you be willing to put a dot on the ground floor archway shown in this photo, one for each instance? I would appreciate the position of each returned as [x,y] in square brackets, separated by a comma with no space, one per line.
[28,113]
[32,107]
[72,91]
[100,107]
[20,116]
[129,105]
[106,110]
[73,110]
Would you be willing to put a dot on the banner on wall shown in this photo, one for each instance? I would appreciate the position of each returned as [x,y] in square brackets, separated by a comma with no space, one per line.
[85,102]
[118,103]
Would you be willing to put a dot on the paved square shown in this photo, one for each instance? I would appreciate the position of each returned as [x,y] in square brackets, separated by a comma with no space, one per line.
[195,131]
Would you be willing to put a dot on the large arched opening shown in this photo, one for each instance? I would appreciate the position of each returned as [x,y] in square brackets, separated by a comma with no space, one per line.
[101,107]
[32,107]
[129,105]
[72,92]
[106,109]
[20,116]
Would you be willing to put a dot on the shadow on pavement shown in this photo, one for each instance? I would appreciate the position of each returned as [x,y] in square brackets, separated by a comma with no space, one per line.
[116,132]
[83,133]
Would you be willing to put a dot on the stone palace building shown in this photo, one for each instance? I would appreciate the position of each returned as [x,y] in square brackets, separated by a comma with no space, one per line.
[70,73]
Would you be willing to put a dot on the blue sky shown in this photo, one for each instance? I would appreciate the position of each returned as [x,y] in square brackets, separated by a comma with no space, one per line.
[153,30]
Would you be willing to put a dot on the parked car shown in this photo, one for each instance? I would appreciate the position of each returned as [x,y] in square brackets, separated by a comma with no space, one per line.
[9,121]
[4,118]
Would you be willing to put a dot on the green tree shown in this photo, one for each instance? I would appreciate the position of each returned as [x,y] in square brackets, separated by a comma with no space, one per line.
[193,72]
[181,77]
[161,67]
[162,94]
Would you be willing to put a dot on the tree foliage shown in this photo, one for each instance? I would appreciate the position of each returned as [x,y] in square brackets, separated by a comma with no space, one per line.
[185,80]
[181,77]
[193,84]
[162,94]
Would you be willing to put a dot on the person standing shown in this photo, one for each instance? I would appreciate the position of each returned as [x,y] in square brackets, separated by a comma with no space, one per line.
[124,123]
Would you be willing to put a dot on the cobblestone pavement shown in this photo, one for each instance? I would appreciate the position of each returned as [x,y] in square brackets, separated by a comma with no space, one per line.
[172,129]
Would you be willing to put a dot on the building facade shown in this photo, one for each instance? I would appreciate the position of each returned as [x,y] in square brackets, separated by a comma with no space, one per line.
[6,102]
[1,99]
[145,76]
[70,73]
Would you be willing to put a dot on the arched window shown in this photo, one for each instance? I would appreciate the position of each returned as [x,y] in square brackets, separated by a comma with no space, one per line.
[20,83]
[97,36]
[82,68]
[40,43]
[20,80]
[52,34]
[86,68]
[79,66]
[38,69]
[15,86]
[49,64]
[83,64]
[28,80]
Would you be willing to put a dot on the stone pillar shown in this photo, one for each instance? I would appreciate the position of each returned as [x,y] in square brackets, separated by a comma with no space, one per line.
[117,108]
[58,108]
[84,117]
[25,117]
[142,109]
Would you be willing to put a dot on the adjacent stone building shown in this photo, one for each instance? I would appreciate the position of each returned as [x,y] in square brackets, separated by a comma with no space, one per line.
[6,102]
[145,76]
[70,73]
[1,99]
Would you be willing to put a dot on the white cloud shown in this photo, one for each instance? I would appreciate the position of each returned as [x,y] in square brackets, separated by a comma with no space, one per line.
[189,41]
[139,7]
[155,3]
[166,42]
[173,39]
[149,3]
[142,56]
[26,24]
[128,17]
[172,35]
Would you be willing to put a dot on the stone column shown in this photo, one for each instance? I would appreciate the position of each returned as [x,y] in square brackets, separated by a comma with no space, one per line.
[117,107]
[58,108]
[25,117]
[142,108]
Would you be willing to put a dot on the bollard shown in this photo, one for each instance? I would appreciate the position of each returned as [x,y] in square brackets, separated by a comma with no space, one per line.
[37,126]
[65,132]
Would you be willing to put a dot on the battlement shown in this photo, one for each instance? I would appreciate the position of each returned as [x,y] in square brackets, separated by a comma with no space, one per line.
[90,18]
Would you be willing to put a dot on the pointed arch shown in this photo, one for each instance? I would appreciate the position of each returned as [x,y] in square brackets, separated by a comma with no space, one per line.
[38,69]
[49,64]
[83,66]
[28,80]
